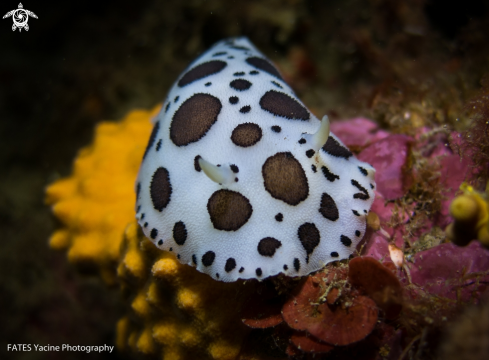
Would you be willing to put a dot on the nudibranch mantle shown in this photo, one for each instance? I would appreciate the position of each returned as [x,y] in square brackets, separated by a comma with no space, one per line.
[240,180]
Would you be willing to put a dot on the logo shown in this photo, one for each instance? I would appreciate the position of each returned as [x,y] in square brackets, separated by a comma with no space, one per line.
[20,17]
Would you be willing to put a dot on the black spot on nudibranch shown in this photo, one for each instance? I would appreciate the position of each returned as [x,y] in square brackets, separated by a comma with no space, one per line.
[372,186]
[153,234]
[234,168]
[328,208]
[268,246]
[363,170]
[167,107]
[262,64]
[240,84]
[285,179]
[160,242]
[245,109]
[334,254]
[281,104]
[230,265]
[152,138]
[364,193]
[201,71]
[345,240]
[313,167]
[246,134]
[333,148]
[196,163]
[160,189]
[355,213]
[176,99]
[358,233]
[238,47]
[233,100]
[179,233]
[279,217]
[194,259]
[297,264]
[277,84]
[309,236]
[302,141]
[286,267]
[329,175]
[229,210]
[276,128]
[239,73]
[194,118]
[259,272]
[219,53]
[310,153]
[208,84]
[158,145]
[254,72]
[241,269]
[138,190]
[208,258]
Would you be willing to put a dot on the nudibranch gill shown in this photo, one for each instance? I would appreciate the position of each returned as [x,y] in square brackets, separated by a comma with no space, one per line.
[240,180]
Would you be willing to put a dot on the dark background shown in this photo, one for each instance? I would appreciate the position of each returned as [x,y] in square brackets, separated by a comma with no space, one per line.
[87,61]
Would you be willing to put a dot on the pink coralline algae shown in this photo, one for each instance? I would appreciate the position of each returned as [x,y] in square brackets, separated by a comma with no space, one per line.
[358,133]
[388,156]
[416,180]
[452,272]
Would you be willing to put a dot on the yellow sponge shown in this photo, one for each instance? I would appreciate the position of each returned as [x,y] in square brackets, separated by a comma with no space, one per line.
[96,202]
[471,214]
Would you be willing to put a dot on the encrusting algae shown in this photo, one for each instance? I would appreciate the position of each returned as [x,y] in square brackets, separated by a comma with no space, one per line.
[174,311]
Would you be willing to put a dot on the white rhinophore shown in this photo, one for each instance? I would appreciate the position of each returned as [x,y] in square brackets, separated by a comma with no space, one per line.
[220,174]
[318,139]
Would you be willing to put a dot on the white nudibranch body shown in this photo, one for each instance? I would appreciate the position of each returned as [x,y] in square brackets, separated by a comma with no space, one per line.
[240,180]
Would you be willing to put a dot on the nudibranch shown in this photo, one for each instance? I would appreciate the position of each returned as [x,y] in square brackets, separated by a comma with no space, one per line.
[241,181]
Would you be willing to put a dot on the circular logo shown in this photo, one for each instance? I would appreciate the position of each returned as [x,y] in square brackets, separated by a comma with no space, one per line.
[20,17]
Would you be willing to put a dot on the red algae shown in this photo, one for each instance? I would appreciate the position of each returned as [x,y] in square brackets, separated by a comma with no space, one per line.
[307,343]
[378,282]
[264,311]
[341,324]
[258,315]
